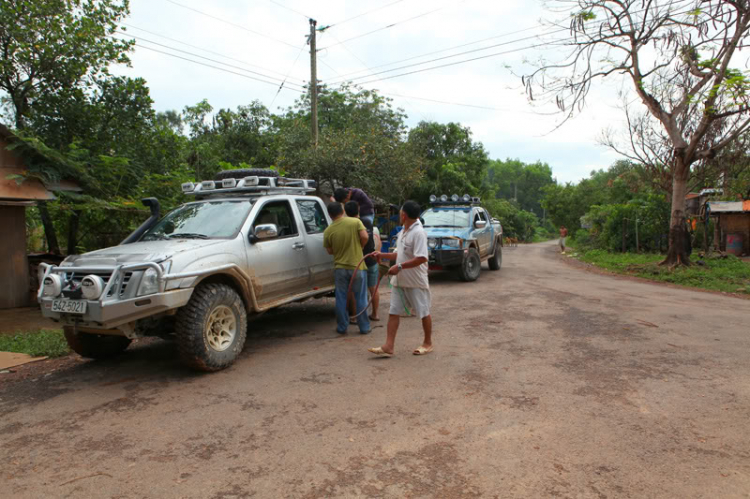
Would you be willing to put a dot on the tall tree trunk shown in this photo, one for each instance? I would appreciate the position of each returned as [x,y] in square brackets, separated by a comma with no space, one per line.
[678,235]
[49,228]
[73,222]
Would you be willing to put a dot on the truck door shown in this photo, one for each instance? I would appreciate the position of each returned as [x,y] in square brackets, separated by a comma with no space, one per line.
[315,221]
[279,264]
[483,236]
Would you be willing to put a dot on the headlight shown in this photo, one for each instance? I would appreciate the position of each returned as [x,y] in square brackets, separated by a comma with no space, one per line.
[92,287]
[452,243]
[150,280]
[52,285]
[432,243]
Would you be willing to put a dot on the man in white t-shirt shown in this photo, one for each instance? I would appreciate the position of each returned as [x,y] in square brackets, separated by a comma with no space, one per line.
[411,287]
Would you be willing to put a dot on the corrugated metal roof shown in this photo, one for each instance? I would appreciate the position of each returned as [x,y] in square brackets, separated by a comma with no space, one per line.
[728,206]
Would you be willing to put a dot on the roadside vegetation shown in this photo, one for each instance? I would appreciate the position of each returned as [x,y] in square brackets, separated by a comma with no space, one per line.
[727,273]
[41,343]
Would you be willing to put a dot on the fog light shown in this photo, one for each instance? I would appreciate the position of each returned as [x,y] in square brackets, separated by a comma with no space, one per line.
[52,285]
[92,287]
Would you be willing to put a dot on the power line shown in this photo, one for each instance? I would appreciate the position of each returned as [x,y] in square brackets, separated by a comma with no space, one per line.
[388,26]
[550,43]
[175,40]
[216,67]
[450,56]
[230,23]
[448,49]
[199,56]
[290,9]
[366,67]
[288,73]
[364,13]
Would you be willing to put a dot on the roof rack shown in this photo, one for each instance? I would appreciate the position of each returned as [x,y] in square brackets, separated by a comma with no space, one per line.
[255,186]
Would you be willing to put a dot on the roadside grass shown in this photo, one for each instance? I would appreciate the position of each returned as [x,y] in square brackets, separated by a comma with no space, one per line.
[729,274]
[41,343]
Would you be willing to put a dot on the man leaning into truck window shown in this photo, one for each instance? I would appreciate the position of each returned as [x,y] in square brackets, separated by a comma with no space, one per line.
[344,239]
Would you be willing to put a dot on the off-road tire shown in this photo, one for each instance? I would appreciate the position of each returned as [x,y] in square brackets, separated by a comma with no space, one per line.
[246,172]
[192,328]
[95,346]
[496,260]
[470,268]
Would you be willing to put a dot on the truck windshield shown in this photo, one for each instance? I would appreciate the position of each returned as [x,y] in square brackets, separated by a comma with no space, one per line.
[202,220]
[446,218]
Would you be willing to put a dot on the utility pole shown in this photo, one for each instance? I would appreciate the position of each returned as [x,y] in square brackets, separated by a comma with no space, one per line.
[314,82]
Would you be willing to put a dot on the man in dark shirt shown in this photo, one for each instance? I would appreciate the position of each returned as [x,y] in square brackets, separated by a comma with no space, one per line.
[366,208]
[373,272]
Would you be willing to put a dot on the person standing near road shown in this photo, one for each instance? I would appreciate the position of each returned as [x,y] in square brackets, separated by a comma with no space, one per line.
[411,287]
[344,239]
[373,271]
[366,207]
[563,235]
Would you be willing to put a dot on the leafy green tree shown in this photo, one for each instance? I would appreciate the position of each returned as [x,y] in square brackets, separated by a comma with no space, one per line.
[513,179]
[54,46]
[454,162]
[361,143]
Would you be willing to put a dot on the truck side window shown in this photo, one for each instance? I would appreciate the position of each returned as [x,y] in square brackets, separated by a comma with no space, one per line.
[280,214]
[312,216]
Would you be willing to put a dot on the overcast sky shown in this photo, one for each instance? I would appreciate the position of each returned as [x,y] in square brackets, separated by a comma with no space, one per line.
[267,36]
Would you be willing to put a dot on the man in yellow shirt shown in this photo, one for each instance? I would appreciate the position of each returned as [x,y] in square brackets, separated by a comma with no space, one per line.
[344,239]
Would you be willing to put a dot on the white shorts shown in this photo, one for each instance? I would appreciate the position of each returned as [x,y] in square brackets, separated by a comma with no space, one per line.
[417,304]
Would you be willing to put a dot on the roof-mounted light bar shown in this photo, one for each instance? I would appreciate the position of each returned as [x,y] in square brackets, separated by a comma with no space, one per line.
[251,185]
[455,199]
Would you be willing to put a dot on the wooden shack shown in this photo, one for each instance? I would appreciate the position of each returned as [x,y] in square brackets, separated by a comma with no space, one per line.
[733,219]
[16,194]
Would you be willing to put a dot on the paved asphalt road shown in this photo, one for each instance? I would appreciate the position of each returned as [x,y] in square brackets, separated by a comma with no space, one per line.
[547,381]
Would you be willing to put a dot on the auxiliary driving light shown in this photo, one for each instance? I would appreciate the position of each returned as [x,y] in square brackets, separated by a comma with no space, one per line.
[52,285]
[92,287]
[444,198]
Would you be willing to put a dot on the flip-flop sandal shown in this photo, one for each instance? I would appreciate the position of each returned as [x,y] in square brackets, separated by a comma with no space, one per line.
[422,351]
[379,352]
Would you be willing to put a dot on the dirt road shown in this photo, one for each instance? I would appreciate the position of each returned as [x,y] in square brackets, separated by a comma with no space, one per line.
[547,381]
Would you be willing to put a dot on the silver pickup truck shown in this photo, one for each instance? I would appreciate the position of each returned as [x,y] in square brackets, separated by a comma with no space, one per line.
[249,242]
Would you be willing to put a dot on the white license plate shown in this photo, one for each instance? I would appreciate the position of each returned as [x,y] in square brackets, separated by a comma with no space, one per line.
[69,306]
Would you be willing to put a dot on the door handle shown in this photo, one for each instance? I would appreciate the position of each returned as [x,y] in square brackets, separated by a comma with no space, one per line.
[298,246]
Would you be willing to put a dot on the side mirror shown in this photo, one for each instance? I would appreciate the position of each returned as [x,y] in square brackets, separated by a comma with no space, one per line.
[480,224]
[266,231]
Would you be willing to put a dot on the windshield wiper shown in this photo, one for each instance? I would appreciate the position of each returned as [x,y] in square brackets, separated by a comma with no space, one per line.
[187,235]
